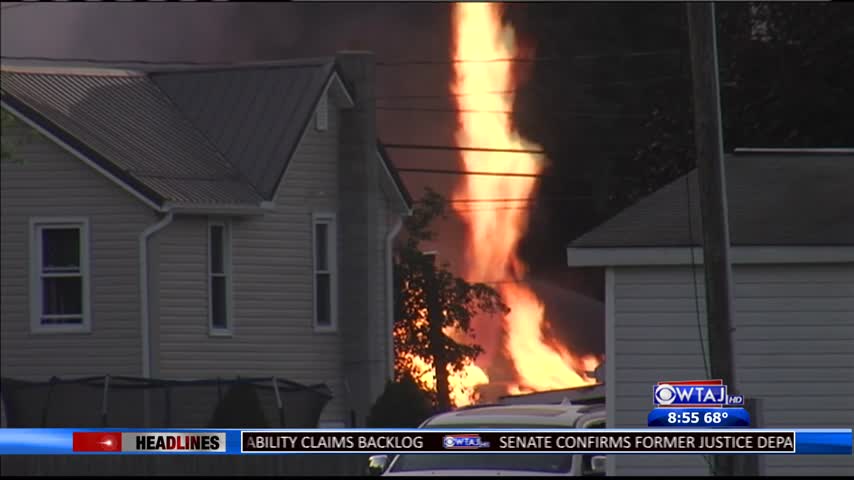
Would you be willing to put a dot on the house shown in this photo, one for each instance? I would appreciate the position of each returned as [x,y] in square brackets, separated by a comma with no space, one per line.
[187,222]
[791,217]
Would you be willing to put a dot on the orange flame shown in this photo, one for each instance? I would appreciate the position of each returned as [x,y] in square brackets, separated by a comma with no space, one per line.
[462,383]
[494,233]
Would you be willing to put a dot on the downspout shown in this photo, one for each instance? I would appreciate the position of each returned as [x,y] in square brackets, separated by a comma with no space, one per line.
[143,290]
[389,264]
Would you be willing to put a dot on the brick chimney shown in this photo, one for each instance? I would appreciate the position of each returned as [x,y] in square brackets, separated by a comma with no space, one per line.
[362,310]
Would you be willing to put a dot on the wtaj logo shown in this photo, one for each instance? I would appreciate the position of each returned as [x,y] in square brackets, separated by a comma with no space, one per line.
[694,393]
[464,442]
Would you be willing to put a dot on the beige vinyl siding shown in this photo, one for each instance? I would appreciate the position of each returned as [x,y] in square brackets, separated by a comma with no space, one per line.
[43,180]
[794,350]
[273,275]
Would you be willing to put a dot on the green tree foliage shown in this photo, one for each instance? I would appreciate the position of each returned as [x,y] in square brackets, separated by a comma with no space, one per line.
[403,404]
[459,300]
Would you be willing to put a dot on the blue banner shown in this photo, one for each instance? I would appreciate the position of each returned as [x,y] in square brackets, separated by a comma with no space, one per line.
[823,442]
[318,441]
[699,418]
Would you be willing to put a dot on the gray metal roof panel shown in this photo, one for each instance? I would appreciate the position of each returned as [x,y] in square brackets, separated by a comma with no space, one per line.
[125,118]
[255,115]
[802,199]
[200,191]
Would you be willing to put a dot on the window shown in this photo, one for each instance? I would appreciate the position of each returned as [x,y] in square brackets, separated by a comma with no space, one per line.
[322,114]
[219,273]
[60,283]
[325,273]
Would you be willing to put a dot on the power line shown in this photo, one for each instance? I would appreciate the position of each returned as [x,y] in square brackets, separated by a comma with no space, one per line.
[519,90]
[458,149]
[509,112]
[401,63]
[471,94]
[468,172]
[523,199]
[492,209]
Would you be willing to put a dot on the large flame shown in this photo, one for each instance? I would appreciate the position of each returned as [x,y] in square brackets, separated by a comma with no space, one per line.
[482,42]
[462,383]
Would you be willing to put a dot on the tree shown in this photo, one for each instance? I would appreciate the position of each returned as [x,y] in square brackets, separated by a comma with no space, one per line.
[418,283]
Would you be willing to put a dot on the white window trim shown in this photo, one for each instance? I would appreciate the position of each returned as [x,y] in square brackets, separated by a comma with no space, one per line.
[36,224]
[321,114]
[332,231]
[228,331]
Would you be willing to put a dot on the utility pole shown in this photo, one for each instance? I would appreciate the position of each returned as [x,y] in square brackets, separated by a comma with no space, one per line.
[436,336]
[713,201]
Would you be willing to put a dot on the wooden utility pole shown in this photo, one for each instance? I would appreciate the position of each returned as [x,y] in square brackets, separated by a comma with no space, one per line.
[435,317]
[713,200]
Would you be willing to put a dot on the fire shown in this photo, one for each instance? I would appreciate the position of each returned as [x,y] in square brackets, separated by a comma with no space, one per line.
[495,233]
[462,383]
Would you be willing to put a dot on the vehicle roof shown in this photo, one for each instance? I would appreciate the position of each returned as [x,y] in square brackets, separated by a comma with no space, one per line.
[548,416]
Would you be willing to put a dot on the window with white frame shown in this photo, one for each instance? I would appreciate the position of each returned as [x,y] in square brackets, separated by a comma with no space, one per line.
[219,277]
[325,273]
[60,282]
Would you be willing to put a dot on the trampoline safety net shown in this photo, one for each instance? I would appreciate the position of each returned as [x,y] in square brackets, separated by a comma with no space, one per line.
[129,402]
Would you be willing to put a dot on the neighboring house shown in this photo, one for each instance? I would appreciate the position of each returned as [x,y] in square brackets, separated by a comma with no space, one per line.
[193,222]
[791,217]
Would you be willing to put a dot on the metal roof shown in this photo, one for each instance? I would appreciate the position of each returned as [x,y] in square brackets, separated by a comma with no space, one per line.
[576,395]
[774,198]
[125,120]
[555,416]
[184,134]
[255,115]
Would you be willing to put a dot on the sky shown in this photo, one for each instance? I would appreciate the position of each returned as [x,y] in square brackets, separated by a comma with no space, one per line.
[396,32]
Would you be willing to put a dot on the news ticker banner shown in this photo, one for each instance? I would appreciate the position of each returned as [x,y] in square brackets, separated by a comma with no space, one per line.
[300,441]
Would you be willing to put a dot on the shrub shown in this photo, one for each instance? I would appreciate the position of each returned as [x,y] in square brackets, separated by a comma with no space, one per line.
[239,408]
[402,405]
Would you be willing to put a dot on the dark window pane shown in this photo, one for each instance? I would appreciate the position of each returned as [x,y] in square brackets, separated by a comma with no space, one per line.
[321,242]
[60,249]
[218,303]
[323,300]
[217,243]
[62,296]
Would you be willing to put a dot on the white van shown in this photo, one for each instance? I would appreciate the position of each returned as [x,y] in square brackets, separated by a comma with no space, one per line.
[496,464]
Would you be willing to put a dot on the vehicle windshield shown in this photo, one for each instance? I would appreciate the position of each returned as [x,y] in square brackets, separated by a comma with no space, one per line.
[523,462]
